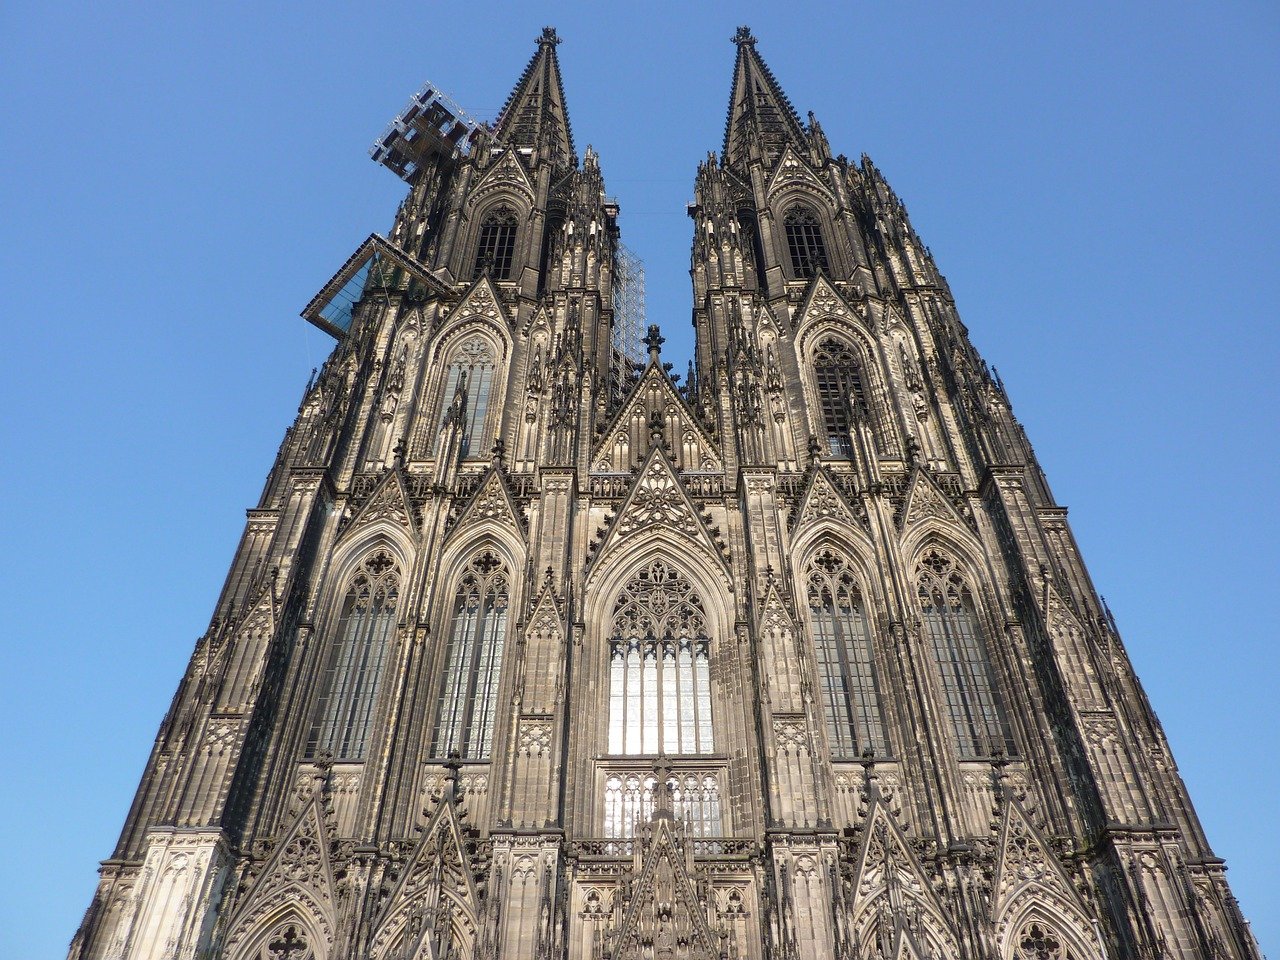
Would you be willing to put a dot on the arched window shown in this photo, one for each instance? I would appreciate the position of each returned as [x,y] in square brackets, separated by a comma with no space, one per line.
[952,626]
[344,712]
[837,373]
[497,244]
[846,660]
[473,660]
[659,672]
[804,242]
[471,365]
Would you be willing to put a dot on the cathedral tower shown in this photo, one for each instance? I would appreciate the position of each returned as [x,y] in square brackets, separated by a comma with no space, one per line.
[528,652]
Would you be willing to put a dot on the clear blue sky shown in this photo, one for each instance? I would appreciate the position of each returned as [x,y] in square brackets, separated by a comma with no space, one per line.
[1098,182]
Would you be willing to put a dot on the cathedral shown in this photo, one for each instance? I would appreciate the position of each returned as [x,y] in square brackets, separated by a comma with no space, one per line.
[533,649]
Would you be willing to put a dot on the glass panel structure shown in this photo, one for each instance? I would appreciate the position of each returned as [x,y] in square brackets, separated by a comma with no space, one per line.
[497,245]
[804,243]
[837,374]
[473,661]
[659,669]
[473,367]
[695,799]
[344,711]
[952,627]
[847,682]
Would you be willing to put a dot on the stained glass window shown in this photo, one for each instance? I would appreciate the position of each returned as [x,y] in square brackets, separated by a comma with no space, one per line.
[659,668]
[846,660]
[473,661]
[344,711]
[951,625]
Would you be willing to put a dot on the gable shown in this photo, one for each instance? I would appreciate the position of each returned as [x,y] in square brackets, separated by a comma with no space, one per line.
[507,173]
[628,437]
[794,172]
[491,503]
[822,501]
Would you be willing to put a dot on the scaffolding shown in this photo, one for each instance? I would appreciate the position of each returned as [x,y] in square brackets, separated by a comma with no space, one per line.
[431,124]
[628,304]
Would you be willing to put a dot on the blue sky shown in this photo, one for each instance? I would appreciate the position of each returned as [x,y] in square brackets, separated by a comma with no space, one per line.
[1097,181]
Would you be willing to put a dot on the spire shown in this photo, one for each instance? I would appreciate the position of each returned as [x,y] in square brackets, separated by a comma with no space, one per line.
[758,109]
[535,114]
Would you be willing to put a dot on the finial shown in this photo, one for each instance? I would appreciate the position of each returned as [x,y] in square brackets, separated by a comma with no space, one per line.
[743,36]
[452,766]
[654,341]
[662,798]
[814,450]
[499,451]
[398,451]
[548,38]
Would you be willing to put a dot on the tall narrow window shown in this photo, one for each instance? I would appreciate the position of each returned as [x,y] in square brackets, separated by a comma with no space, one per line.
[344,712]
[473,661]
[659,669]
[804,243]
[838,376]
[952,626]
[474,361]
[497,244]
[846,660]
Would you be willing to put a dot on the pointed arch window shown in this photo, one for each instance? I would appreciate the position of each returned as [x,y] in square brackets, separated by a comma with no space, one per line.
[659,667]
[804,242]
[847,681]
[472,366]
[344,713]
[497,244]
[473,660]
[837,373]
[952,627]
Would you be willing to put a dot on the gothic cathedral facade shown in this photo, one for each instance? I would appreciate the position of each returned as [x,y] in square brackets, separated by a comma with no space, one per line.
[530,651]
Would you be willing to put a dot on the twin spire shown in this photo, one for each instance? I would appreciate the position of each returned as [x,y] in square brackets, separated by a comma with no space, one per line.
[535,114]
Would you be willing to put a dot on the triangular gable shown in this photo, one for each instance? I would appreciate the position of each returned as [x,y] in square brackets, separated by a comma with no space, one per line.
[297,877]
[505,173]
[438,867]
[925,500]
[619,449]
[1025,862]
[491,501]
[481,301]
[663,878]
[657,499]
[822,501]
[793,171]
[388,501]
[887,868]
[822,301]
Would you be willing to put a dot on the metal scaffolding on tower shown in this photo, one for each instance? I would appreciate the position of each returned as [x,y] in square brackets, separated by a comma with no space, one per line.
[628,303]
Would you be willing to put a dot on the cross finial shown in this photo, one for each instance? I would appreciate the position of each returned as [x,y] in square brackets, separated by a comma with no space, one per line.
[662,788]
[548,37]
[743,36]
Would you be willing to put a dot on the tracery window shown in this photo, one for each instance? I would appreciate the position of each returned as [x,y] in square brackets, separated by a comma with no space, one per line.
[473,366]
[846,659]
[287,943]
[837,373]
[695,800]
[1037,943]
[473,660]
[659,670]
[952,626]
[344,711]
[497,244]
[804,242]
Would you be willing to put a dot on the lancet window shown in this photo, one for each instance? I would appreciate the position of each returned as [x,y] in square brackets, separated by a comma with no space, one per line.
[366,626]
[837,373]
[659,668]
[695,800]
[951,625]
[847,679]
[473,660]
[472,367]
[804,242]
[497,244]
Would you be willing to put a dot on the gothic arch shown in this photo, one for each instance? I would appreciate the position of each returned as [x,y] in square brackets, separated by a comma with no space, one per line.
[1041,915]
[813,339]
[844,538]
[802,195]
[607,578]
[479,348]
[297,924]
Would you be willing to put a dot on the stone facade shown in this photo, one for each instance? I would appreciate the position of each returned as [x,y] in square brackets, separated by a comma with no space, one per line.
[528,651]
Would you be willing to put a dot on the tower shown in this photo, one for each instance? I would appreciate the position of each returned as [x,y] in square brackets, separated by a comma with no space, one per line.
[528,651]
